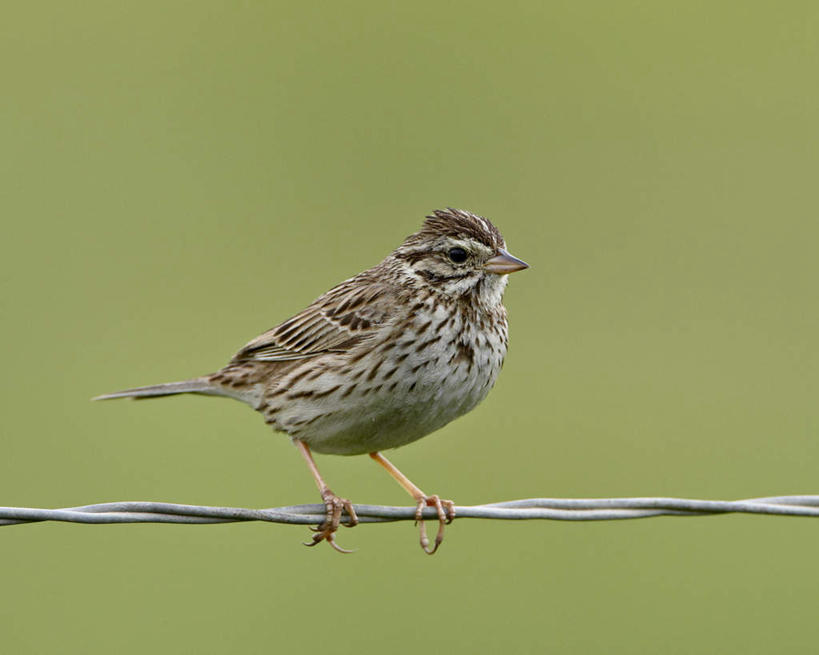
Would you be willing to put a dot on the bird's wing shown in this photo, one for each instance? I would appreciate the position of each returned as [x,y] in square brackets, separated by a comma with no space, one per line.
[340,319]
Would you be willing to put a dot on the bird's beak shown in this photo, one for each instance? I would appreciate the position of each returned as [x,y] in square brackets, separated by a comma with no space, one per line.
[503,263]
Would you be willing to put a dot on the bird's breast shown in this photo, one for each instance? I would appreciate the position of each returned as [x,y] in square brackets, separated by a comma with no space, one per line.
[411,380]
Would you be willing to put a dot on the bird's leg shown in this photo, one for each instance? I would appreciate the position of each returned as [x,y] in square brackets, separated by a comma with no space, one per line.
[446,508]
[334,505]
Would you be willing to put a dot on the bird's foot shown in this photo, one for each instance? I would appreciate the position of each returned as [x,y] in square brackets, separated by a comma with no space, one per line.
[334,507]
[446,513]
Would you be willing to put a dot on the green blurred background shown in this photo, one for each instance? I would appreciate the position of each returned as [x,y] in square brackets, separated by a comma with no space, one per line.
[179,176]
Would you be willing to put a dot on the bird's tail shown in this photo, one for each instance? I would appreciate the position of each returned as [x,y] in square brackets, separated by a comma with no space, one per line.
[196,385]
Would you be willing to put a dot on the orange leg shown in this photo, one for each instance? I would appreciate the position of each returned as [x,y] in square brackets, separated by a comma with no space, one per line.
[334,505]
[446,508]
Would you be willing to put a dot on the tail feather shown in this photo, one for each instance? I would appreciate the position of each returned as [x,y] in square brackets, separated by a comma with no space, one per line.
[196,385]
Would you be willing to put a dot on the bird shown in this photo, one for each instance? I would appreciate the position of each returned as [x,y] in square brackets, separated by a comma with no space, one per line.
[380,360]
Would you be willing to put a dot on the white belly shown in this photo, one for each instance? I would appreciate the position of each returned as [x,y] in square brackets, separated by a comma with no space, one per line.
[422,383]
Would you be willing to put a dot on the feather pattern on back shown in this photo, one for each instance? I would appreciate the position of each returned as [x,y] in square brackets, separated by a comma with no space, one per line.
[343,317]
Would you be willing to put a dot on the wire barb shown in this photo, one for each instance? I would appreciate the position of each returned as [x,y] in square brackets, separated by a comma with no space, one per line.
[555,509]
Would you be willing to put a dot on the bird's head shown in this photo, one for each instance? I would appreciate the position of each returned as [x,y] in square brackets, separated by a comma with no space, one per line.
[457,253]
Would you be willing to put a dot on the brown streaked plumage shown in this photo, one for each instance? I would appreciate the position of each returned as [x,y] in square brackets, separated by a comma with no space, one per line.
[382,359]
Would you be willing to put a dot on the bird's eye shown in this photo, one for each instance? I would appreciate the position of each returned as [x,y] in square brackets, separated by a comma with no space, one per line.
[457,255]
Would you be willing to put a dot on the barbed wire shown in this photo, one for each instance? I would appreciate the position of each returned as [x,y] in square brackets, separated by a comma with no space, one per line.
[555,509]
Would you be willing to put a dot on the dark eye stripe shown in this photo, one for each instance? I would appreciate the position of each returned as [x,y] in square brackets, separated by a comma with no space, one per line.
[434,277]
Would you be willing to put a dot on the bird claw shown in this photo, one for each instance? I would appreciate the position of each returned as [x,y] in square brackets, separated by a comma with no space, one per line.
[446,514]
[317,539]
[334,507]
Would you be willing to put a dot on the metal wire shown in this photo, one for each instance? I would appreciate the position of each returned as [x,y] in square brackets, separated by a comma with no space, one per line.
[556,509]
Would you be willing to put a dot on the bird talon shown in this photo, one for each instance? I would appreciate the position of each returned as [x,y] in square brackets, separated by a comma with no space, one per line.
[334,508]
[446,514]
[352,517]
[449,510]
[338,548]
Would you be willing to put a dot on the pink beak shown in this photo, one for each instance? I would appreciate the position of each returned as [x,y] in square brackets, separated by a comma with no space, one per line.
[503,263]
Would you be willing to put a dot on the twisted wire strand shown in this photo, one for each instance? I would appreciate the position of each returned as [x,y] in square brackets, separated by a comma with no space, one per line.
[555,509]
